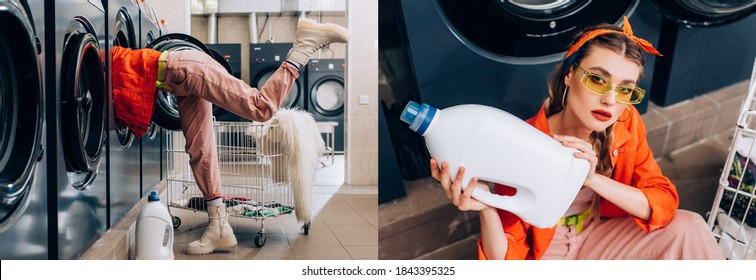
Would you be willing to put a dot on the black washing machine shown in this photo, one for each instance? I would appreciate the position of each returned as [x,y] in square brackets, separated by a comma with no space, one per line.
[124,148]
[151,142]
[77,115]
[708,44]
[264,60]
[492,52]
[325,95]
[166,108]
[231,53]
[23,167]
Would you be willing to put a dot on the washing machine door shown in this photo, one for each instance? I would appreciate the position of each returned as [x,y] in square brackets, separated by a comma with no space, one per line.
[83,103]
[704,12]
[327,96]
[124,36]
[166,110]
[21,111]
[526,31]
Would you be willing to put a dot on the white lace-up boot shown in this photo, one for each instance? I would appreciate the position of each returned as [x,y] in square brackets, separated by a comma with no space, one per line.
[218,235]
[312,36]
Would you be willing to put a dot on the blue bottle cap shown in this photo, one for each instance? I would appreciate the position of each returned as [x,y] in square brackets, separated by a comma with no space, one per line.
[410,112]
[418,116]
[154,196]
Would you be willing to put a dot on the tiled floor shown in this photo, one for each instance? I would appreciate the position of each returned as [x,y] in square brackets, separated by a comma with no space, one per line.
[344,227]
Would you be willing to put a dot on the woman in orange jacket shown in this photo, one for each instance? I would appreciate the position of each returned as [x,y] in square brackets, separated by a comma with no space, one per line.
[626,208]
[197,81]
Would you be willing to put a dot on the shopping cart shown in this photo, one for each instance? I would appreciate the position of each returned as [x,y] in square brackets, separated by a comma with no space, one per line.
[254,174]
[733,216]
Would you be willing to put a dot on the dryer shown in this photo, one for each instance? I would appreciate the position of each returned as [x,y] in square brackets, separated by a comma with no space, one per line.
[708,45]
[325,95]
[124,148]
[151,142]
[264,60]
[23,167]
[77,115]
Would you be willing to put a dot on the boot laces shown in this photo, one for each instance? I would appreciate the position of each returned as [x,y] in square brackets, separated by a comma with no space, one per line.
[204,240]
[324,45]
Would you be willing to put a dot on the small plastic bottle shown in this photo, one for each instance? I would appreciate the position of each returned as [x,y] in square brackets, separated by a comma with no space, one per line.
[498,147]
[152,227]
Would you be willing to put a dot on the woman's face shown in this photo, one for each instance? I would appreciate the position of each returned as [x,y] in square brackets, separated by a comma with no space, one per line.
[597,112]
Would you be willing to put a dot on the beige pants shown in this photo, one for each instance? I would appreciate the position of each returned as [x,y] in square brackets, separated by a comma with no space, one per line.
[197,81]
[686,237]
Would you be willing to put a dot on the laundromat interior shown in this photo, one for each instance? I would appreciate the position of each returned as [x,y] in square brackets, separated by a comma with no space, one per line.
[74,179]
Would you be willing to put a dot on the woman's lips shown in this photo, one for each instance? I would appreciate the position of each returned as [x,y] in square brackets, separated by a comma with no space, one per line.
[601,115]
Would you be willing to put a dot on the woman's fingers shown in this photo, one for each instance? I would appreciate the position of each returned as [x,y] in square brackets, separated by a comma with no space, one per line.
[435,173]
[470,188]
[575,143]
[456,187]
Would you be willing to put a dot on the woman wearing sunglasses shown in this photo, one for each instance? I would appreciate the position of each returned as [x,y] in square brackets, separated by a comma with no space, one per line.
[626,208]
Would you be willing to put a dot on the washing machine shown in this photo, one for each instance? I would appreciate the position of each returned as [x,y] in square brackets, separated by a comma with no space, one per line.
[493,52]
[77,124]
[325,95]
[124,148]
[708,44]
[264,60]
[151,142]
[23,166]
[166,108]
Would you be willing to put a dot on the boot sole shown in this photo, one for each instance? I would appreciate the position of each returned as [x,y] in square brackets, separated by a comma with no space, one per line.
[311,24]
[221,246]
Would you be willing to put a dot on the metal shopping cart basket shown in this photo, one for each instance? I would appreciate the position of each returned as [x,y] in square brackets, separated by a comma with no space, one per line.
[733,216]
[254,174]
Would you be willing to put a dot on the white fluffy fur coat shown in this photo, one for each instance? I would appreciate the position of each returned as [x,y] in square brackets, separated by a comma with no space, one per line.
[303,147]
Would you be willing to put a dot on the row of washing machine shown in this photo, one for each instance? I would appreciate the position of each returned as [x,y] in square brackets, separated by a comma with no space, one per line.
[318,90]
[68,172]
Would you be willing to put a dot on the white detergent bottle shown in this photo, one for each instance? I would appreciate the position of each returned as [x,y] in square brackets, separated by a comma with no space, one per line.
[498,147]
[152,227]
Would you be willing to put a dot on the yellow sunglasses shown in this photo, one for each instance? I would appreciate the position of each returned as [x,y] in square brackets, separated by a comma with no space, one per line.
[600,85]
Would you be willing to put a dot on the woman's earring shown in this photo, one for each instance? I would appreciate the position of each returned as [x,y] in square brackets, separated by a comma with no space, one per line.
[629,114]
[564,97]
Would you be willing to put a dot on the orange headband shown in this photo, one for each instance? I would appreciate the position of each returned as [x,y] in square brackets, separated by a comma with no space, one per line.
[645,45]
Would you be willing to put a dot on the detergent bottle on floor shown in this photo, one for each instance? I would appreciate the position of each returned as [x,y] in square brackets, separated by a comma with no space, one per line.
[498,147]
[154,231]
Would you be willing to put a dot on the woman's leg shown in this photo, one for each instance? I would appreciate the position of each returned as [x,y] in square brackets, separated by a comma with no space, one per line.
[686,237]
[197,126]
[195,73]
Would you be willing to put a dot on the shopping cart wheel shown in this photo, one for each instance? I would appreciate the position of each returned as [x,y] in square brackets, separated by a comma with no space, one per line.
[306,228]
[260,240]
[176,222]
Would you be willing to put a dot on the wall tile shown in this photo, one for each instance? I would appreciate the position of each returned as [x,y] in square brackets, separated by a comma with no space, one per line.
[355,109]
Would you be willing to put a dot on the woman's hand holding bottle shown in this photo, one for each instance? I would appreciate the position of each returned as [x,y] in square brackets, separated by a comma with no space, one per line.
[462,199]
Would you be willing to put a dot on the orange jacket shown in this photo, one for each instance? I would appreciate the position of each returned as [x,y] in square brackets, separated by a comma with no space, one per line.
[133,78]
[634,165]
